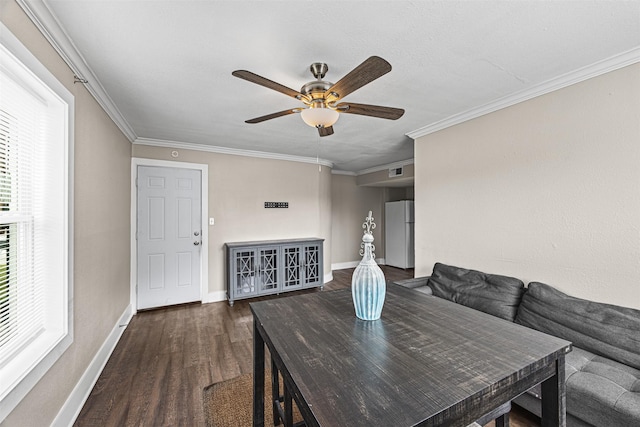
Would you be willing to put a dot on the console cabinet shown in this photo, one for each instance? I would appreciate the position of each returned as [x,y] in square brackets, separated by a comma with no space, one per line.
[273,266]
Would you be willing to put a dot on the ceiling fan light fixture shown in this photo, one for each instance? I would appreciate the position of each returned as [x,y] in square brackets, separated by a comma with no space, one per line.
[319,117]
[321,97]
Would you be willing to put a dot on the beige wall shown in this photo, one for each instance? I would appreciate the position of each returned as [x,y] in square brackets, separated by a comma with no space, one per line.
[238,188]
[101,232]
[351,204]
[547,190]
[394,194]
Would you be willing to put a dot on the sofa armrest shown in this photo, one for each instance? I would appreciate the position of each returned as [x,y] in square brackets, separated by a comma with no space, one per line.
[419,284]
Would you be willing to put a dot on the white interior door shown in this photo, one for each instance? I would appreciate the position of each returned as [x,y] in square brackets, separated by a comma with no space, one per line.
[169,236]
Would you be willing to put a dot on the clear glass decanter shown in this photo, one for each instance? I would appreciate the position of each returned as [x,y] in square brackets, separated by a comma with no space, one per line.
[368,284]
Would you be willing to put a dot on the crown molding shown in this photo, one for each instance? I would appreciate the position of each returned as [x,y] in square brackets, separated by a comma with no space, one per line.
[340,172]
[581,74]
[397,164]
[393,165]
[232,151]
[49,26]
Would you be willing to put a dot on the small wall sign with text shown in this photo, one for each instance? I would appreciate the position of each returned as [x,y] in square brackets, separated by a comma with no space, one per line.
[276,204]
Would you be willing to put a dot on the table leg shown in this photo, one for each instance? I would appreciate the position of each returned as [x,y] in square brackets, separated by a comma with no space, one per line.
[288,408]
[275,392]
[554,398]
[503,420]
[258,377]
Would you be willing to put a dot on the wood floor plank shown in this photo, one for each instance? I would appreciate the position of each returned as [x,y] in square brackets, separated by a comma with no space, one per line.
[166,357]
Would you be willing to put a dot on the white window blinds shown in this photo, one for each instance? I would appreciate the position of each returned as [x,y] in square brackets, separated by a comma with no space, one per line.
[36,125]
[22,130]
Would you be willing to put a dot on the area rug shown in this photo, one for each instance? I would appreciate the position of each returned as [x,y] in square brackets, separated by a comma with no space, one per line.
[230,403]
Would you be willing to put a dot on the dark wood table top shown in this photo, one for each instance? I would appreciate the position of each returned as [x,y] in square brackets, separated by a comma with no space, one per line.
[427,361]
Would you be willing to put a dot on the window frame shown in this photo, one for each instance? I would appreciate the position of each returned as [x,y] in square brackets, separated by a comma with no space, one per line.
[42,354]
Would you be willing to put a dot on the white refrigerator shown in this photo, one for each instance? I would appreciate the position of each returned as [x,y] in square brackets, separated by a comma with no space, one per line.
[398,234]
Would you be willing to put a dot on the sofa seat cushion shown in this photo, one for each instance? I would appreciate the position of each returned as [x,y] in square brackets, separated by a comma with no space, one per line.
[600,391]
[607,330]
[418,284]
[491,293]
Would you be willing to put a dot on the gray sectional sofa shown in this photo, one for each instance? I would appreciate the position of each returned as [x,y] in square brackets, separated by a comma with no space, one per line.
[603,370]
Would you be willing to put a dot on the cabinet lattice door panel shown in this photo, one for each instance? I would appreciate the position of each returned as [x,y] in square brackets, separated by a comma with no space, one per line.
[312,264]
[268,269]
[244,268]
[273,266]
[292,267]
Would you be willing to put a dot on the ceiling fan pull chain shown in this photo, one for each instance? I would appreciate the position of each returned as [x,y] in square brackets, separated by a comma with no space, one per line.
[318,154]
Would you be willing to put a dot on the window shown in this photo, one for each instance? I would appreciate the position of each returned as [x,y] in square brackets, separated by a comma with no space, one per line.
[35,245]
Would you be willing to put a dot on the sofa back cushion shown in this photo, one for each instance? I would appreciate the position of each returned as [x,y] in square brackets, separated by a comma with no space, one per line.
[491,293]
[607,330]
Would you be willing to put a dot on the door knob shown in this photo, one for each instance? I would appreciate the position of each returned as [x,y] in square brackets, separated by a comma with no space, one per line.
[196,243]
[196,233]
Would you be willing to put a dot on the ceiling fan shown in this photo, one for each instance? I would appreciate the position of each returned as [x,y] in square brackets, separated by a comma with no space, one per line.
[321,97]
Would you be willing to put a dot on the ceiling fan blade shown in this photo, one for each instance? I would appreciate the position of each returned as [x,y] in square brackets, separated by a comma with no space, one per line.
[370,110]
[325,131]
[364,73]
[273,115]
[262,81]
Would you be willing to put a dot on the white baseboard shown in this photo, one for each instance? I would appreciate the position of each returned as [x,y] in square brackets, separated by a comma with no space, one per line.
[343,265]
[216,296]
[222,295]
[74,403]
[352,264]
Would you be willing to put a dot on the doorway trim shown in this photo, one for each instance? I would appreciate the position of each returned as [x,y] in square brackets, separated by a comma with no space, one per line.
[204,253]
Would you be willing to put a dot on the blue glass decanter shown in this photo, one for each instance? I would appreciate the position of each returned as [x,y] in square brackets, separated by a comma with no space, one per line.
[368,285]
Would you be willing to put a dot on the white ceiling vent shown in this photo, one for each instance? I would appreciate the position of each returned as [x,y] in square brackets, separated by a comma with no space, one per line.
[393,172]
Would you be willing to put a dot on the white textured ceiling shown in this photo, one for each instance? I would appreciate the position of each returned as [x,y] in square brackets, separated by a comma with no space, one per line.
[166,65]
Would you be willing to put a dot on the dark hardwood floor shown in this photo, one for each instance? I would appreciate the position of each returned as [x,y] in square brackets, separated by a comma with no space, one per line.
[165,358]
